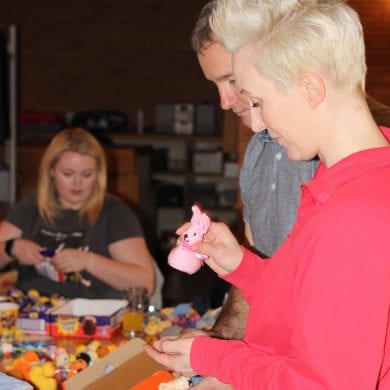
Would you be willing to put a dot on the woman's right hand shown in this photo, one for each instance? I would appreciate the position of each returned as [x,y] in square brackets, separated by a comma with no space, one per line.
[223,250]
[27,252]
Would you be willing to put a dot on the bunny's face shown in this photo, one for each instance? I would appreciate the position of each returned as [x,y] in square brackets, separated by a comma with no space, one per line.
[193,234]
[200,223]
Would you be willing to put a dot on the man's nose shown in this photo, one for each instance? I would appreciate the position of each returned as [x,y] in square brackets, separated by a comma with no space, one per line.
[227,99]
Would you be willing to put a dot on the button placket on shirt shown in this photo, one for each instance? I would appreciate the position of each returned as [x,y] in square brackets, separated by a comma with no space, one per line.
[278,157]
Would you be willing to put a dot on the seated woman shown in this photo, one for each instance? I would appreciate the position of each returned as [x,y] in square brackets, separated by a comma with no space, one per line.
[70,237]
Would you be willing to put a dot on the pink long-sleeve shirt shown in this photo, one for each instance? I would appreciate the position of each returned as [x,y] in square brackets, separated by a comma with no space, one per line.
[319,309]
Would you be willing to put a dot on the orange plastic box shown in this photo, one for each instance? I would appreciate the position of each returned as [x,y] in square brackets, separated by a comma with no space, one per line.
[153,381]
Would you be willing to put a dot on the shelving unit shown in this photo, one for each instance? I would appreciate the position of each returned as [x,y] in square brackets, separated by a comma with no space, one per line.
[179,179]
[8,164]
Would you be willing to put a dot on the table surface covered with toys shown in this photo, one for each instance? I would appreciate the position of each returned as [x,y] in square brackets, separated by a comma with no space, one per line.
[56,340]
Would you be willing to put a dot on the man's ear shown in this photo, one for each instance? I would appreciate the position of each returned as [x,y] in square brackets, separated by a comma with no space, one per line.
[313,87]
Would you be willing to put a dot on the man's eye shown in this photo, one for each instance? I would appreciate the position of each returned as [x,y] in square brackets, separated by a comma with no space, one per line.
[255,104]
[232,81]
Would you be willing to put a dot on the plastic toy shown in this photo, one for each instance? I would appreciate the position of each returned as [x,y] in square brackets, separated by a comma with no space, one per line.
[153,381]
[181,383]
[182,257]
[42,376]
[47,269]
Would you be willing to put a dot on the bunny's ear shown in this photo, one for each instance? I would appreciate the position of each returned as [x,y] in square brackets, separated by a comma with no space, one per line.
[196,214]
[204,222]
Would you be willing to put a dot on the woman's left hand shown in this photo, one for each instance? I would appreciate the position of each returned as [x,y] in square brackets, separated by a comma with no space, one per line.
[71,260]
[174,354]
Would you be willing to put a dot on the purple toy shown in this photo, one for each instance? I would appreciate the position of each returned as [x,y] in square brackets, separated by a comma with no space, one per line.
[182,257]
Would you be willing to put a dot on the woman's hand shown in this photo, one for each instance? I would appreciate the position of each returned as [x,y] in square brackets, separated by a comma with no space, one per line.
[27,252]
[223,250]
[174,354]
[71,260]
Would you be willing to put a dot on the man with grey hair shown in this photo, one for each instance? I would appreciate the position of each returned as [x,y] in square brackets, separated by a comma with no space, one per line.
[270,182]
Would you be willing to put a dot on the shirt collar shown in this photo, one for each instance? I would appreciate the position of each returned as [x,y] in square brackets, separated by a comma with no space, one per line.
[265,135]
[327,180]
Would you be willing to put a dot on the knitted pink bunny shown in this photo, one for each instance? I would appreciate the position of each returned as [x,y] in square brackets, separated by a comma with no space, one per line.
[182,257]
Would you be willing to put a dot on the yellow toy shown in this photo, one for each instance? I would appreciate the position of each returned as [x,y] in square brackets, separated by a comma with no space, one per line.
[42,381]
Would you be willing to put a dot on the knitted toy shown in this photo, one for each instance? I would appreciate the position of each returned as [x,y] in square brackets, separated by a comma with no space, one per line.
[182,257]
[180,383]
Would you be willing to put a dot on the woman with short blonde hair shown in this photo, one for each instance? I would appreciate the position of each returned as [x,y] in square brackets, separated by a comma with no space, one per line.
[319,307]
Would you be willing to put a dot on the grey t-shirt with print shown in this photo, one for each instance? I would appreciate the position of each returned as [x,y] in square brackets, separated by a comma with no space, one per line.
[116,221]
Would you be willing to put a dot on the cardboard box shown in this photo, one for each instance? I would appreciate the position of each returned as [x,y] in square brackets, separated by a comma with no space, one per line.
[119,370]
[86,318]
[34,323]
[36,319]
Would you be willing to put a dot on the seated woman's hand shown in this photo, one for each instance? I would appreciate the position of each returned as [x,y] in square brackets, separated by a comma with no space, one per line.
[223,250]
[71,260]
[27,252]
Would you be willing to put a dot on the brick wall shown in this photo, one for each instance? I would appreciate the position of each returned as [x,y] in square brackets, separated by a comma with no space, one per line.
[106,54]
[126,54]
[375,17]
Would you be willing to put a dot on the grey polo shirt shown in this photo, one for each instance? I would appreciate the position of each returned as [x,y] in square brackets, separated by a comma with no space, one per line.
[270,186]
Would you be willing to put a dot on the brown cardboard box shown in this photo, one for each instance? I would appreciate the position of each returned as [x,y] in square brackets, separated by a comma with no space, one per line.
[124,367]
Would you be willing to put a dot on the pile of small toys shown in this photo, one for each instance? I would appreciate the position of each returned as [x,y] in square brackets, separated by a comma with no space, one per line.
[46,365]
[44,362]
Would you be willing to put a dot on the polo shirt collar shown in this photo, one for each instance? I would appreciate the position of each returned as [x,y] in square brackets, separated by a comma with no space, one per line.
[328,180]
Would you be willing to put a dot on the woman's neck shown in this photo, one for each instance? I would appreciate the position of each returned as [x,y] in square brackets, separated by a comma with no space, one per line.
[351,130]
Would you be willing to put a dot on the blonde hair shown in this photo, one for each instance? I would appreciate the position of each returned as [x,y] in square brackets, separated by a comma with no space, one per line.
[75,140]
[293,36]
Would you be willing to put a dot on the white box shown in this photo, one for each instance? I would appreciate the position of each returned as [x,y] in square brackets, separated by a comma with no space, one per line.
[98,318]
[207,162]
